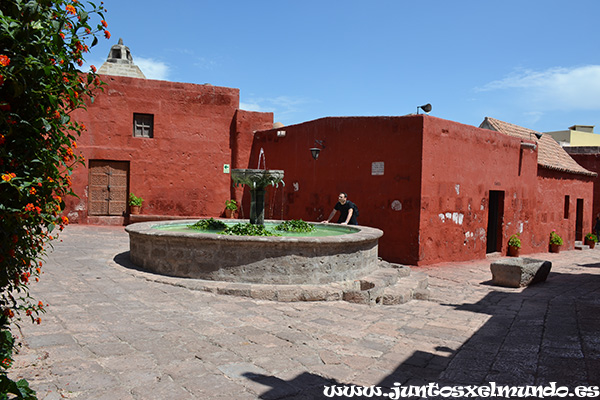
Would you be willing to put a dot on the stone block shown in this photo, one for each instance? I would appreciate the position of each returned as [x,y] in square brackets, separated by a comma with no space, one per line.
[519,272]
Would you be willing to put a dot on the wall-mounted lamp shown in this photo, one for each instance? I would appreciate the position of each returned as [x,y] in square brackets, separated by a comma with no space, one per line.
[314,151]
[527,145]
[426,108]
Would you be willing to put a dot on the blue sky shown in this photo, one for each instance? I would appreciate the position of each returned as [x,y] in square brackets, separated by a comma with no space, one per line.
[532,63]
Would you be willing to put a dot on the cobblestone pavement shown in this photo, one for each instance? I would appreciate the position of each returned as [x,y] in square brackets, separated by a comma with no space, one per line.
[111,334]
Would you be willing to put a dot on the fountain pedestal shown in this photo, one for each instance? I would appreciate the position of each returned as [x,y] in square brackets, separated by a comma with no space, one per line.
[257,180]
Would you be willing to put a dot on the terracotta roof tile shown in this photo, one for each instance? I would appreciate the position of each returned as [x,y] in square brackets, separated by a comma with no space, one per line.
[550,154]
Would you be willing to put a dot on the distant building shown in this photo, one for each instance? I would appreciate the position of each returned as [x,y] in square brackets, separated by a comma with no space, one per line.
[577,135]
[120,63]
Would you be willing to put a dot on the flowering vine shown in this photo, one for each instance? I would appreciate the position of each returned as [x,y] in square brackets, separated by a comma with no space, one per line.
[42,45]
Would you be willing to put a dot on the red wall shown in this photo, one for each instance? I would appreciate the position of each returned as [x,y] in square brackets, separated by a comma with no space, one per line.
[589,158]
[351,144]
[553,186]
[461,165]
[180,170]
[432,202]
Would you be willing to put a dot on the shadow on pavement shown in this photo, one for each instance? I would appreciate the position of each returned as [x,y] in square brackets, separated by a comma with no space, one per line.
[548,332]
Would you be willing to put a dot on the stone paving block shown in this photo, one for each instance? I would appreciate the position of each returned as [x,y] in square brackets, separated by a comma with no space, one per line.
[519,272]
[467,332]
[49,340]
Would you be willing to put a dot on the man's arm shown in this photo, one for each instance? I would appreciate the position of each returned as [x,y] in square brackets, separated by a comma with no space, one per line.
[330,216]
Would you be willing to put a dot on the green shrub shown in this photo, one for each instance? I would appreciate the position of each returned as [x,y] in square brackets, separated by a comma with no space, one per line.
[295,225]
[555,238]
[247,229]
[134,200]
[208,224]
[42,43]
[515,241]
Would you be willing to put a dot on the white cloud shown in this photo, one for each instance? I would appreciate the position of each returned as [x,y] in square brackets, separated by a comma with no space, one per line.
[554,88]
[153,69]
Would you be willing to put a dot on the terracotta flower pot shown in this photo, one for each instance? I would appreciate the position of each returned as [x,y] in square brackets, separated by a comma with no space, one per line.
[555,248]
[229,213]
[590,243]
[135,209]
[513,251]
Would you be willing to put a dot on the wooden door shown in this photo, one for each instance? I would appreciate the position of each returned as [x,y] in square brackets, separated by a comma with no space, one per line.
[108,187]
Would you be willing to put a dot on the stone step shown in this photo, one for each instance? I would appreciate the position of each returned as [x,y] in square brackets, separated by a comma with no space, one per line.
[580,246]
[389,286]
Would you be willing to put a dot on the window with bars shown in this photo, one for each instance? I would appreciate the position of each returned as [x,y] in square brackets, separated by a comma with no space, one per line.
[143,125]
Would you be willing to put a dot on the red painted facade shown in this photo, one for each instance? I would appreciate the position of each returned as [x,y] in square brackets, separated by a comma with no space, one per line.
[589,158]
[439,190]
[433,199]
[198,129]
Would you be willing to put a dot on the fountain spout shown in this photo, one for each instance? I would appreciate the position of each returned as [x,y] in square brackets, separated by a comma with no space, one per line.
[257,180]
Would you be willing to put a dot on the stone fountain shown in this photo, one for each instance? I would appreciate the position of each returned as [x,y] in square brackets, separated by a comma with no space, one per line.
[257,180]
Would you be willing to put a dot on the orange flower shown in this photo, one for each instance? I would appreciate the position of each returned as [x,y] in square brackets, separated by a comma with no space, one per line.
[4,60]
[107,34]
[65,220]
[70,9]
[32,191]
[2,139]
[29,207]
[62,35]
[104,24]
[93,68]
[8,177]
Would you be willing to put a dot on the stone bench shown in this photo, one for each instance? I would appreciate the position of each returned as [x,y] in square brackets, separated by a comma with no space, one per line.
[519,272]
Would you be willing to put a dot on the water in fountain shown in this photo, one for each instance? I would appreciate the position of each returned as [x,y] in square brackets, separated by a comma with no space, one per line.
[261,154]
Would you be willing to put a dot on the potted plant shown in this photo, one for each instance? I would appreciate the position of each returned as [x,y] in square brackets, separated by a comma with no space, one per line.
[590,240]
[230,208]
[135,203]
[555,242]
[514,244]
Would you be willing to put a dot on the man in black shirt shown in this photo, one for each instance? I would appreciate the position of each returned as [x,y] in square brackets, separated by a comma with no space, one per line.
[347,211]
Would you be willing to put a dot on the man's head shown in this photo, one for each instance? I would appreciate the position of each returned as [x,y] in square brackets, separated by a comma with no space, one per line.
[342,198]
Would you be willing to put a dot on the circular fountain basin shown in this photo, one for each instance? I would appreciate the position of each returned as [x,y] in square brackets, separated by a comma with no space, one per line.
[162,248]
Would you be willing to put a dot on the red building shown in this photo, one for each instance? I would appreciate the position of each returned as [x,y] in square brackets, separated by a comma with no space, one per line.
[439,190]
[170,143]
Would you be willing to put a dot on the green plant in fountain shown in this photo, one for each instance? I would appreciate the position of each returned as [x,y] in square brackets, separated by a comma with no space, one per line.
[515,241]
[295,225]
[248,229]
[555,238]
[134,200]
[42,44]
[208,225]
